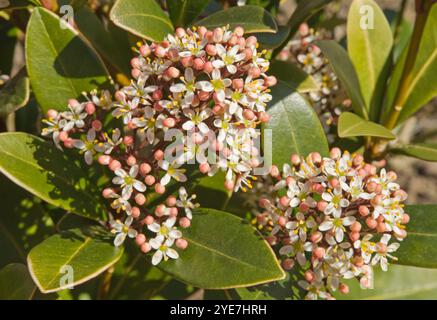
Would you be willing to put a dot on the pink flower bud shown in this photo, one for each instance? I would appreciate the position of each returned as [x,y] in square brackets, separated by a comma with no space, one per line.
[173,72]
[239,31]
[211,50]
[174,212]
[335,153]
[140,239]
[114,165]
[208,67]
[198,64]
[107,193]
[73,102]
[104,160]
[90,108]
[149,180]
[270,81]
[145,168]
[135,212]
[344,289]
[160,210]
[128,140]
[272,240]
[237,84]
[140,199]
[157,94]
[52,113]
[145,247]
[254,72]
[381,228]
[217,35]
[316,237]
[371,223]
[169,122]
[274,171]
[251,41]
[229,185]
[181,243]
[354,236]
[282,221]
[356,226]
[159,188]
[263,203]
[233,40]
[287,264]
[295,159]
[316,158]
[135,73]
[321,205]
[158,155]
[248,114]
[405,218]
[184,222]
[187,61]
[335,183]
[135,63]
[69,143]
[319,252]
[145,50]
[180,32]
[309,276]
[148,220]
[173,55]
[248,54]
[204,168]
[119,96]
[304,207]
[160,52]
[171,201]
[63,136]
[131,161]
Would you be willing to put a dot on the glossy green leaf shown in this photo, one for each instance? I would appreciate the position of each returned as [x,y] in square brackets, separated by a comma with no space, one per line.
[14,94]
[251,18]
[424,151]
[16,283]
[211,192]
[351,125]
[43,170]
[224,251]
[345,71]
[94,30]
[424,74]
[184,12]
[294,125]
[398,283]
[293,76]
[60,63]
[24,222]
[143,18]
[369,43]
[419,248]
[87,251]
[272,41]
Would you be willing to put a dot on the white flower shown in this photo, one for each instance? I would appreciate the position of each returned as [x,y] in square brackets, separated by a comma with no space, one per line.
[186,202]
[112,142]
[297,249]
[381,255]
[336,202]
[88,147]
[228,58]
[337,226]
[314,290]
[139,89]
[225,125]
[366,246]
[149,122]
[387,185]
[299,227]
[163,249]
[196,120]
[123,230]
[172,171]
[216,84]
[75,116]
[355,188]
[166,229]
[54,127]
[128,181]
[125,109]
[339,168]
[188,86]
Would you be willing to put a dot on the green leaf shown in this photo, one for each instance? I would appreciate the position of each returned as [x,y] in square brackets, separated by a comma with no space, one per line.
[370,50]
[424,151]
[88,251]
[398,283]
[94,30]
[424,74]
[304,10]
[43,170]
[211,192]
[293,76]
[224,252]
[272,41]
[15,93]
[419,248]
[60,63]
[143,18]
[184,12]
[24,222]
[345,71]
[251,18]
[351,125]
[296,129]
[16,283]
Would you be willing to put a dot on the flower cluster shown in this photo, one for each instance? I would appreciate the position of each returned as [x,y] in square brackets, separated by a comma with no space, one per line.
[211,87]
[336,217]
[327,101]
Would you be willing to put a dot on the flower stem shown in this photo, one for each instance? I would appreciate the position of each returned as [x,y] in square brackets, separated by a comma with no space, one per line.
[422,12]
